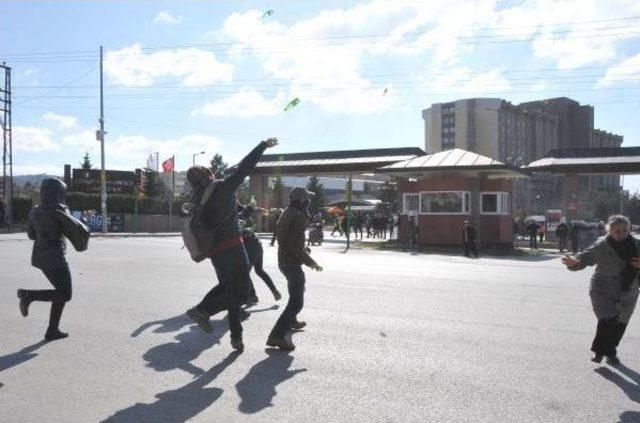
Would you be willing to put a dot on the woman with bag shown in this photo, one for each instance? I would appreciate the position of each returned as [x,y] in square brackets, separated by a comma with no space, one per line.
[49,224]
[614,285]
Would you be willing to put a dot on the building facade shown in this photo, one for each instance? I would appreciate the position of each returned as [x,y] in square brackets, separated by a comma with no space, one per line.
[518,135]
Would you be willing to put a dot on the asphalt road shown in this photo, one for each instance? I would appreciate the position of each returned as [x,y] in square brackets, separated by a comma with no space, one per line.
[391,337]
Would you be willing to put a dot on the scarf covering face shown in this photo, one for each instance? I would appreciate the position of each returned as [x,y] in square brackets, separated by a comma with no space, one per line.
[626,250]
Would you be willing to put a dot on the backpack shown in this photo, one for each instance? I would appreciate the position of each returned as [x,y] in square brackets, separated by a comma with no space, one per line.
[198,238]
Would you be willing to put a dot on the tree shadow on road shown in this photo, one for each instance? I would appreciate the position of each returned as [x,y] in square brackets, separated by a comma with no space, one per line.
[191,343]
[15,359]
[631,389]
[258,387]
[178,405]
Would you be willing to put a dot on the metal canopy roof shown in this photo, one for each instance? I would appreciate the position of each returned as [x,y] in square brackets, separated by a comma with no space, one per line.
[332,162]
[451,160]
[589,161]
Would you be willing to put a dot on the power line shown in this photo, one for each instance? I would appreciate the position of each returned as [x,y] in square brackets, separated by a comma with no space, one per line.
[49,94]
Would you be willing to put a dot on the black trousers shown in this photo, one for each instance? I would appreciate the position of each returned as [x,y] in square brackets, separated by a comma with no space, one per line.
[533,241]
[609,332]
[232,268]
[257,263]
[60,278]
[295,284]
[470,246]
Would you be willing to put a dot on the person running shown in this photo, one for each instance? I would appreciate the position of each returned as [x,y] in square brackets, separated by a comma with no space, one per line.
[46,228]
[255,253]
[292,254]
[614,285]
[228,255]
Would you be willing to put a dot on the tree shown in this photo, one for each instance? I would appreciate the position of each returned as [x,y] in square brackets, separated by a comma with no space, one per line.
[317,201]
[86,162]
[218,166]
[277,193]
[153,186]
[388,195]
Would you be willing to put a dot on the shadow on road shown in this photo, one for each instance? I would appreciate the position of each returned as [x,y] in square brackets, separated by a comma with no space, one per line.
[191,343]
[629,417]
[631,389]
[15,359]
[258,387]
[178,405]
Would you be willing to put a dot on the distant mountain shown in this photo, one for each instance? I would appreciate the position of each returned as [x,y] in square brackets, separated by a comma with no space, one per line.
[20,180]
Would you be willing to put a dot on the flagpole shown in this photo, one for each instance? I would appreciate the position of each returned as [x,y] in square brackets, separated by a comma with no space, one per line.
[173,188]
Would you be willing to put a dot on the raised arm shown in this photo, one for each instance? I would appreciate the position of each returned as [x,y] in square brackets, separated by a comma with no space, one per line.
[249,162]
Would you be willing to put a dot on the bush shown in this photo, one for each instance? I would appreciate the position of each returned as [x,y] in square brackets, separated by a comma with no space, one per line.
[120,203]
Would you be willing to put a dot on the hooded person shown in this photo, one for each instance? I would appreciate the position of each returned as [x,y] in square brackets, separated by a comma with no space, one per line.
[227,252]
[292,254]
[46,227]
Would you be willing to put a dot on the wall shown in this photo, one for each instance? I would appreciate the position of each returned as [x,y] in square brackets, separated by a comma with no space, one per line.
[153,223]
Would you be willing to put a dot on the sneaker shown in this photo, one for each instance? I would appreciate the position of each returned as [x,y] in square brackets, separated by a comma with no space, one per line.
[281,343]
[237,344]
[277,295]
[24,302]
[53,334]
[298,325]
[612,360]
[597,358]
[200,318]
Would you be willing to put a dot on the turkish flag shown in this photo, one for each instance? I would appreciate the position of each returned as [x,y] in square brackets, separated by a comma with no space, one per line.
[167,165]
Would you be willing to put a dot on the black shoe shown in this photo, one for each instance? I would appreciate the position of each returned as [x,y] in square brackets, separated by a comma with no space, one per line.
[597,358]
[612,360]
[237,344]
[24,302]
[200,318]
[252,300]
[277,295]
[281,343]
[53,334]
[244,315]
[298,325]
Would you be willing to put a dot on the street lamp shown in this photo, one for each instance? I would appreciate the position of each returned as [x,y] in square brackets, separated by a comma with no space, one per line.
[194,157]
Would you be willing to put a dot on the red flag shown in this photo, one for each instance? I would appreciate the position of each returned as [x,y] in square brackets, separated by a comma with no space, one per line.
[167,165]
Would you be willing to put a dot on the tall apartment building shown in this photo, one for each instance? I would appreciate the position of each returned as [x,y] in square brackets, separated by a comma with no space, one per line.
[519,134]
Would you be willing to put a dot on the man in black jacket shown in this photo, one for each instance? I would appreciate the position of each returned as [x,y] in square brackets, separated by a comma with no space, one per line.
[292,254]
[469,236]
[228,255]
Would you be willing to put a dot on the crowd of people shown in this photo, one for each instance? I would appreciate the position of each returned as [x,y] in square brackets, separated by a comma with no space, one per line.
[234,250]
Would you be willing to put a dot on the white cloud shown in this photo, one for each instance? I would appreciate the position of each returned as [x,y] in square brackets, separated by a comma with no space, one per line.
[628,68]
[130,66]
[37,169]
[464,81]
[166,18]
[33,139]
[127,148]
[83,141]
[248,103]
[62,121]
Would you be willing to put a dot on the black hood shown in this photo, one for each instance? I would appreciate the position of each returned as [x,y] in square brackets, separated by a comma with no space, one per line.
[52,192]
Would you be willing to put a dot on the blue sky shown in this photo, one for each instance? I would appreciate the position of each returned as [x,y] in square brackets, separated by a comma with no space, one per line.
[188,76]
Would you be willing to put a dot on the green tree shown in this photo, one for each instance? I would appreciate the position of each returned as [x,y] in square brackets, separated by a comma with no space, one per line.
[388,195]
[317,201]
[86,162]
[153,186]
[218,166]
[277,193]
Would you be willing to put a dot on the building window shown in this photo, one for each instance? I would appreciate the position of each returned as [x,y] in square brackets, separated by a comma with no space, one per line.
[444,202]
[494,203]
[411,204]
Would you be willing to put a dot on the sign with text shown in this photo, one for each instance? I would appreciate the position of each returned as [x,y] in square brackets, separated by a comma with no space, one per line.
[118,181]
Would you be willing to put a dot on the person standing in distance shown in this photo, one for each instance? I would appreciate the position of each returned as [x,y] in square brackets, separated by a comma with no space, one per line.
[228,255]
[46,227]
[292,254]
[614,285]
[469,236]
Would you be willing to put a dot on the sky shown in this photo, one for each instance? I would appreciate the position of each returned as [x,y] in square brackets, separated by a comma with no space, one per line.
[182,77]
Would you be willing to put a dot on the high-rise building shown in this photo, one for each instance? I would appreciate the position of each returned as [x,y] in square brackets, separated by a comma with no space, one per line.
[517,135]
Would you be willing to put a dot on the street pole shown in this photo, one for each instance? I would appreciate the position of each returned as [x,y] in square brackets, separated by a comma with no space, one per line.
[173,188]
[347,218]
[157,162]
[103,173]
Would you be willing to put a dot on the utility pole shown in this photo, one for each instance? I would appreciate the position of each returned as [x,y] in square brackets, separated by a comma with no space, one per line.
[103,172]
[7,148]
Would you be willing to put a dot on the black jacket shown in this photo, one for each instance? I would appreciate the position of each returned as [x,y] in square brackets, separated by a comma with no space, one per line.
[469,234]
[221,208]
[290,233]
[44,226]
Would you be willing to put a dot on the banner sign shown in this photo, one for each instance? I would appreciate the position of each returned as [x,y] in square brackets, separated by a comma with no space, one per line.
[118,181]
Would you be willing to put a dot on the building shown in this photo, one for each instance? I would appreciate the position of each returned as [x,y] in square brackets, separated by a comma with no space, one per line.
[520,134]
[180,182]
